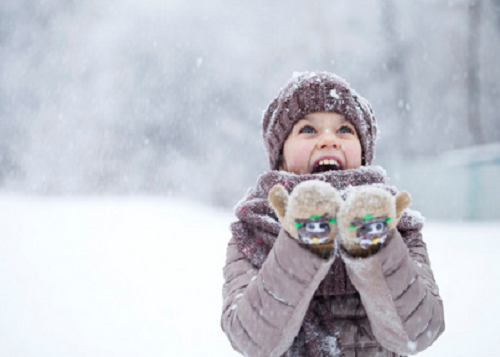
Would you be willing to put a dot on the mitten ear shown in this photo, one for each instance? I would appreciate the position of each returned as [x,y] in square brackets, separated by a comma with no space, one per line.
[278,198]
[403,201]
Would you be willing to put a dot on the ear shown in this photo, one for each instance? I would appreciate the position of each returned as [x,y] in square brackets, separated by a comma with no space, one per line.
[278,198]
[403,201]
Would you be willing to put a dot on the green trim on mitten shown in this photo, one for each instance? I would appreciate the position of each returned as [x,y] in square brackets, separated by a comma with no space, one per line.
[308,214]
[367,216]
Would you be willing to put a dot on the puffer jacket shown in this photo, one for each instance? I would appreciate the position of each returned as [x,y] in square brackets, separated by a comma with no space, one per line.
[396,311]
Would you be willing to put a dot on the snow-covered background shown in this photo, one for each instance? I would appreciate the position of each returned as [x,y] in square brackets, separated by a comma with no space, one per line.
[93,277]
[128,130]
[130,97]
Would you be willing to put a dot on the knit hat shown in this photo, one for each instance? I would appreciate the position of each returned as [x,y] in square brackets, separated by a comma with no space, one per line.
[310,92]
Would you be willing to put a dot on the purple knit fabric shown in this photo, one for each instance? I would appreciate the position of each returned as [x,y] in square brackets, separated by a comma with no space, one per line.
[257,230]
[311,92]
[258,227]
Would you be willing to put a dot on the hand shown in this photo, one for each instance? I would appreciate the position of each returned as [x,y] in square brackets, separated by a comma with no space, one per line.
[308,214]
[367,216]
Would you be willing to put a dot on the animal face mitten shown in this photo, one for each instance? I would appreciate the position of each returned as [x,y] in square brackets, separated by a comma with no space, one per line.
[367,216]
[308,214]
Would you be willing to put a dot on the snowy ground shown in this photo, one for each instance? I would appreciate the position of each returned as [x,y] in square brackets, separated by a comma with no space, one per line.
[123,277]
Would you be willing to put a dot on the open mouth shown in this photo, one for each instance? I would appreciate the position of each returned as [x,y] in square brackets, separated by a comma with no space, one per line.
[326,165]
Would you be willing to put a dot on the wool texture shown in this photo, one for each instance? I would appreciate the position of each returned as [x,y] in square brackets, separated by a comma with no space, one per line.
[257,229]
[311,92]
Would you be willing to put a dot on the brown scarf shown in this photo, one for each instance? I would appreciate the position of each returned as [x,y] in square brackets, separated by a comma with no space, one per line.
[258,227]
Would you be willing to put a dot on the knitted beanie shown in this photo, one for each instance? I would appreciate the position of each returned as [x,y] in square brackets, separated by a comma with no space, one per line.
[310,92]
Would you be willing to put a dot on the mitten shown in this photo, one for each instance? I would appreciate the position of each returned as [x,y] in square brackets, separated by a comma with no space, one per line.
[367,216]
[308,214]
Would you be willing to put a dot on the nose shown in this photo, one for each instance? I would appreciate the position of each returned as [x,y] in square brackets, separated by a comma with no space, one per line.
[328,140]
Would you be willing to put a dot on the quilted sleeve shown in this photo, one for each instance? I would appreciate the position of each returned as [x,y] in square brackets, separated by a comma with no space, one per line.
[264,308]
[398,291]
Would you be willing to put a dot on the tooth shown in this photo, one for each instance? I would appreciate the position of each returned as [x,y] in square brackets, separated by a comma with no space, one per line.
[332,162]
[321,162]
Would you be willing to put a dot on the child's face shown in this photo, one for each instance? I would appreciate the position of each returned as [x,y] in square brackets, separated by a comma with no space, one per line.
[318,139]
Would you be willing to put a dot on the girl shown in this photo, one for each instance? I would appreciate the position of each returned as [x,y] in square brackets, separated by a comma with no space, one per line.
[299,281]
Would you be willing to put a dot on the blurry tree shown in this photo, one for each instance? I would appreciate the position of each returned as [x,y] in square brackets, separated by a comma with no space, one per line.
[166,97]
[473,70]
[396,71]
[496,11]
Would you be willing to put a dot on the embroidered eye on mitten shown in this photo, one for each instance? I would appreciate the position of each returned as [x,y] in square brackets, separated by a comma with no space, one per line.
[308,214]
[367,216]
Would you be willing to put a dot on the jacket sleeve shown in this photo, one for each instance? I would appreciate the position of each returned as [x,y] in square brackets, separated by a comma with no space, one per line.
[400,296]
[263,310]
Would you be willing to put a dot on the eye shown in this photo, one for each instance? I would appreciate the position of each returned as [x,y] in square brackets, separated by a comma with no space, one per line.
[375,227]
[345,130]
[310,226]
[307,130]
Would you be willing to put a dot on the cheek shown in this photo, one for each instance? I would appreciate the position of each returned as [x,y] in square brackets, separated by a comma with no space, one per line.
[352,152]
[297,155]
